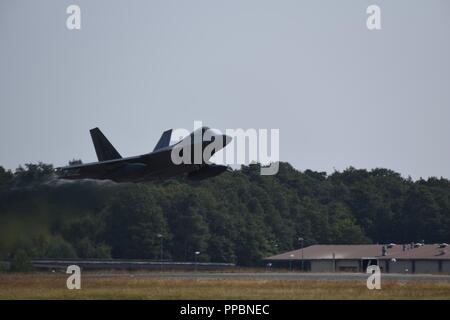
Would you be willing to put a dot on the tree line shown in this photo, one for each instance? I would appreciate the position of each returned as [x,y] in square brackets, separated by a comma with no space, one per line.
[238,217]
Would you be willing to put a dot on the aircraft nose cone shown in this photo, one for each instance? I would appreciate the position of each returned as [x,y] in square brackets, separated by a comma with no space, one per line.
[226,139]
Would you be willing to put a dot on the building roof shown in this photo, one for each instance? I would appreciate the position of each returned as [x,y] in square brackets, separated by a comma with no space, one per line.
[423,252]
[361,251]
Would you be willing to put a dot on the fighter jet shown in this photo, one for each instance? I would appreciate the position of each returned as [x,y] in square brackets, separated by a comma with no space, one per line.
[158,164]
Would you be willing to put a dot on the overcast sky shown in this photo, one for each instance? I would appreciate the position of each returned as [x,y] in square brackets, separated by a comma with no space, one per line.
[340,94]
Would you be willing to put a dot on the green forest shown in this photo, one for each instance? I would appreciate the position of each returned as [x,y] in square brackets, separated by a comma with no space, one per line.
[239,216]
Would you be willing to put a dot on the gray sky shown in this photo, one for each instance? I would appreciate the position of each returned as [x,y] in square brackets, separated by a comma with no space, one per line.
[340,94]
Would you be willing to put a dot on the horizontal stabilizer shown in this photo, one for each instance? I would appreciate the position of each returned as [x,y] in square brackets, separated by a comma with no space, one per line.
[104,149]
[164,141]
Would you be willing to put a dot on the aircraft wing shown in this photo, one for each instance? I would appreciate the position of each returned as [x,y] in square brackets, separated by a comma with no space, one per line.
[89,170]
[154,164]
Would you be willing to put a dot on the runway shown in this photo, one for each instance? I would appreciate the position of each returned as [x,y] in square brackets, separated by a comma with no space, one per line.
[273,276]
[142,269]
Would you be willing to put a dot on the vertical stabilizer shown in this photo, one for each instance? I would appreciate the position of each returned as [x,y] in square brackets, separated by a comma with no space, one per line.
[104,149]
[164,141]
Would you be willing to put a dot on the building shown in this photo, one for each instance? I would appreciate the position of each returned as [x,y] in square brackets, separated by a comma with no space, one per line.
[406,258]
[418,259]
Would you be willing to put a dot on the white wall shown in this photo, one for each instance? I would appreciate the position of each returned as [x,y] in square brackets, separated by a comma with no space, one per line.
[346,265]
[446,266]
[427,266]
[322,266]
[400,266]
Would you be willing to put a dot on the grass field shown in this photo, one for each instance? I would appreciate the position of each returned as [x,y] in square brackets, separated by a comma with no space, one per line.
[53,286]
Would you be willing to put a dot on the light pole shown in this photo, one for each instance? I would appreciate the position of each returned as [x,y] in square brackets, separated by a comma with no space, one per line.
[290,262]
[301,240]
[196,253]
[161,238]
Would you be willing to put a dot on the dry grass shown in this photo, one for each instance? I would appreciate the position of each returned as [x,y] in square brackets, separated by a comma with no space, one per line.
[53,286]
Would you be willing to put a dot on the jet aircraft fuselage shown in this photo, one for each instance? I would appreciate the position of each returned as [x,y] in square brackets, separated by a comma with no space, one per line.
[158,164]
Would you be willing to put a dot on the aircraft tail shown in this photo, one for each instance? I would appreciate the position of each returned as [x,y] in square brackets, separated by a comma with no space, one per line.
[104,149]
[164,141]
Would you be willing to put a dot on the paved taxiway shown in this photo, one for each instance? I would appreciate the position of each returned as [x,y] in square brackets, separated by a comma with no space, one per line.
[264,276]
